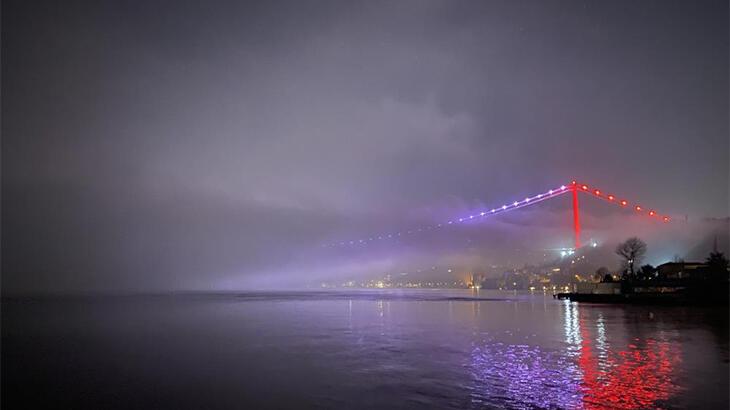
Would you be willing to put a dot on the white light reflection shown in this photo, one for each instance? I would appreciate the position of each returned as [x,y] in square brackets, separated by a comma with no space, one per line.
[572,328]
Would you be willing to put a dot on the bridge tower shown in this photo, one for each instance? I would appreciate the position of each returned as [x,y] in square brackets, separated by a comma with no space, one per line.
[576,215]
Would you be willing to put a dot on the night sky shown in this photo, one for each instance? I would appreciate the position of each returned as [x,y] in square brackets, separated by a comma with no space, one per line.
[217,145]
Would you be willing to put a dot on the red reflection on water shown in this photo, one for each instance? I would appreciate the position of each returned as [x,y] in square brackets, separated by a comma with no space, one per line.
[635,378]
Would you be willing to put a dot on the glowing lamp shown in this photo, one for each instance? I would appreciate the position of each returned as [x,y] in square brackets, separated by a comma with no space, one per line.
[611,197]
[638,208]
[585,187]
[623,203]
[652,213]
[597,192]
[665,219]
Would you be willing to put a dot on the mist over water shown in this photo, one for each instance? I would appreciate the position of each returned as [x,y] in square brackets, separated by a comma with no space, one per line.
[175,145]
[360,349]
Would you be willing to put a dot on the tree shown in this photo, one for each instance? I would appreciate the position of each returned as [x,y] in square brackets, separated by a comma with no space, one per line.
[601,273]
[647,271]
[717,264]
[631,251]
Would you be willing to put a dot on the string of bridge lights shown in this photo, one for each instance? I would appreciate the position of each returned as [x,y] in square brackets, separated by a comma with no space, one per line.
[510,206]
[620,202]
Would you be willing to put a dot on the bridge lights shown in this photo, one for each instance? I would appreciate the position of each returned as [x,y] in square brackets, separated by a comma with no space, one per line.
[529,200]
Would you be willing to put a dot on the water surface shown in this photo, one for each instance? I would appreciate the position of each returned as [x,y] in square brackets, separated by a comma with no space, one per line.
[359,349]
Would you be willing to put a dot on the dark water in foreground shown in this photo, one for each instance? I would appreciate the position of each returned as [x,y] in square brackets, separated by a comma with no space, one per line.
[392,349]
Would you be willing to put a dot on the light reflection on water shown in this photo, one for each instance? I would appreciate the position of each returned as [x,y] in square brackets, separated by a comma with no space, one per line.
[439,349]
[524,376]
[587,373]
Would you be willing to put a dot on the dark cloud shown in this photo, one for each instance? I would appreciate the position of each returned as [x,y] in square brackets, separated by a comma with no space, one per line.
[154,145]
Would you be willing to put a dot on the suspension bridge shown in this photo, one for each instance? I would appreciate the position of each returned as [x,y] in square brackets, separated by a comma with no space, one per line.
[573,188]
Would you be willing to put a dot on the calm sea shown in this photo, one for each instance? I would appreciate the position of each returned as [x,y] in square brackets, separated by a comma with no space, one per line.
[359,350]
